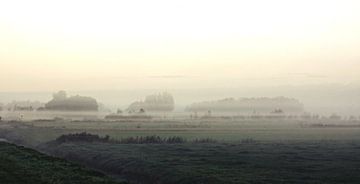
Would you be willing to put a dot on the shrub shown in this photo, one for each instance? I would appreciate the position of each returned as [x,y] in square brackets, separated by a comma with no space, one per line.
[82,137]
[153,139]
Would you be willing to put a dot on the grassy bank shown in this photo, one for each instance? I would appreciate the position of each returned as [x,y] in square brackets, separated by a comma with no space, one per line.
[19,165]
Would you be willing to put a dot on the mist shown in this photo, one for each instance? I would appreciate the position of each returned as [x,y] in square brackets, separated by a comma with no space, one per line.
[326,99]
[179,92]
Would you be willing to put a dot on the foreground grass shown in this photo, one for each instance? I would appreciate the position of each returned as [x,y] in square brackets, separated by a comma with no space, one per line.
[19,165]
[302,162]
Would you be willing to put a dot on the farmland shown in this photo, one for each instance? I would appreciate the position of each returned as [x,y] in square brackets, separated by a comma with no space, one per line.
[250,162]
[245,151]
[37,132]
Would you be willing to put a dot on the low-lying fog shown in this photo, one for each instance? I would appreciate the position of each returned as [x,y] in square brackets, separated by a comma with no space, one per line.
[321,99]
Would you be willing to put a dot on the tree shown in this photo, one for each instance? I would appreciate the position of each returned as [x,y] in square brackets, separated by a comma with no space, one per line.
[61,95]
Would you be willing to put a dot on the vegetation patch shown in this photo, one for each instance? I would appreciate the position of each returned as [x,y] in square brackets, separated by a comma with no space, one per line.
[328,162]
[153,139]
[19,165]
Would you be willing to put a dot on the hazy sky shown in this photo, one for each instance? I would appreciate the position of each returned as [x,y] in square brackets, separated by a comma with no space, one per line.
[84,45]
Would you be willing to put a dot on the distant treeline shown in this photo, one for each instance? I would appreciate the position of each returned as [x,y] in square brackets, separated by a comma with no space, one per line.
[163,102]
[21,106]
[279,116]
[61,102]
[249,105]
[153,139]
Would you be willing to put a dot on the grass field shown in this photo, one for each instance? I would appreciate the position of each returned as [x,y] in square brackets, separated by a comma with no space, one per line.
[37,132]
[248,151]
[19,165]
[218,163]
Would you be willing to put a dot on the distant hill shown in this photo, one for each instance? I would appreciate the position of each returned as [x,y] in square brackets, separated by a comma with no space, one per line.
[19,165]
[61,102]
[163,102]
[249,105]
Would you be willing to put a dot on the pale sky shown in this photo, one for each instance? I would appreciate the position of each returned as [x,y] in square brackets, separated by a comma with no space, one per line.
[85,45]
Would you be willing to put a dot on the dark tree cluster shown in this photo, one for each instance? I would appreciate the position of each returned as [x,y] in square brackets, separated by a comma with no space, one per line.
[61,102]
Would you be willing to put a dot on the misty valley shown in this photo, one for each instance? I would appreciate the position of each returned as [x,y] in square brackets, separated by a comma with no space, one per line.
[246,140]
[179,92]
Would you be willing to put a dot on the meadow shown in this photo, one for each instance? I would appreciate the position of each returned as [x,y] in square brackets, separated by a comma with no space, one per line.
[19,165]
[35,132]
[245,151]
[216,163]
